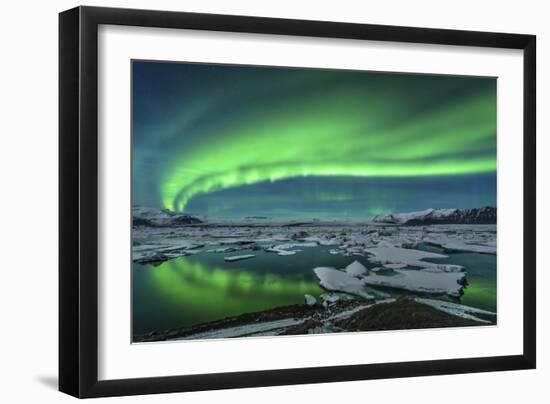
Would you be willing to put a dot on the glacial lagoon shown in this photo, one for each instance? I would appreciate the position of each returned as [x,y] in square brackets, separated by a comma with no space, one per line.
[189,290]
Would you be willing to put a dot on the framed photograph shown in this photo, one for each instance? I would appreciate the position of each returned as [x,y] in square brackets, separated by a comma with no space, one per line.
[251,202]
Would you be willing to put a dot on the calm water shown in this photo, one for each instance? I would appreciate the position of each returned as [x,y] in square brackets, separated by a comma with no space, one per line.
[190,290]
[481,272]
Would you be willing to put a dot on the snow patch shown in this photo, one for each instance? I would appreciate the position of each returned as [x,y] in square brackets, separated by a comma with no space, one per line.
[265,328]
[456,309]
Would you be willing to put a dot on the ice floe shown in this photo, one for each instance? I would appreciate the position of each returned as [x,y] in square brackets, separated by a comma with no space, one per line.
[451,283]
[339,281]
[395,266]
[460,245]
[233,258]
[395,255]
[287,249]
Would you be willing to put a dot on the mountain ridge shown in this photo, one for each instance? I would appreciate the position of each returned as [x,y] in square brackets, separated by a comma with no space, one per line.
[483,215]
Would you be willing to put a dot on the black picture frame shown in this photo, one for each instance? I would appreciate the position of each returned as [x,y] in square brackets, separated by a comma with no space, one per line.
[78,196]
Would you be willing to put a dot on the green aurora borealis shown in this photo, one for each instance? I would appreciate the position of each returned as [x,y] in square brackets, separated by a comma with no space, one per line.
[239,140]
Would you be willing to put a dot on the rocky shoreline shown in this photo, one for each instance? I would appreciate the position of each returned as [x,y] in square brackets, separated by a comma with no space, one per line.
[341,316]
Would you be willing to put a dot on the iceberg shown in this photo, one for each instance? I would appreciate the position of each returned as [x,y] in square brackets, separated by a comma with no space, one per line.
[356,269]
[335,280]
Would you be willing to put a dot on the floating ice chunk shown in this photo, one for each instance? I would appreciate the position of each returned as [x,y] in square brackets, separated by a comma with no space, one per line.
[322,240]
[339,281]
[149,258]
[385,243]
[395,255]
[238,257]
[310,300]
[450,283]
[152,252]
[186,245]
[280,251]
[376,269]
[356,269]
[395,266]
[444,268]
[223,250]
[455,244]
[286,249]
[146,247]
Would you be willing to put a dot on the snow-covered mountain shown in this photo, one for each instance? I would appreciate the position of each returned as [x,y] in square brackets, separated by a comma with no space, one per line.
[154,217]
[485,215]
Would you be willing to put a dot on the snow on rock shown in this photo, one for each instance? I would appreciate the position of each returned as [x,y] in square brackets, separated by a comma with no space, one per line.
[394,255]
[451,283]
[154,217]
[310,300]
[348,313]
[238,257]
[148,253]
[356,269]
[402,218]
[264,328]
[456,309]
[485,215]
[339,281]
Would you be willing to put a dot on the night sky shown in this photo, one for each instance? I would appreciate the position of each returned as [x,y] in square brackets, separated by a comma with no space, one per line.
[233,141]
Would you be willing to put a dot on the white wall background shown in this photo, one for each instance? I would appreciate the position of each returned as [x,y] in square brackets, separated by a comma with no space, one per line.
[28,175]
